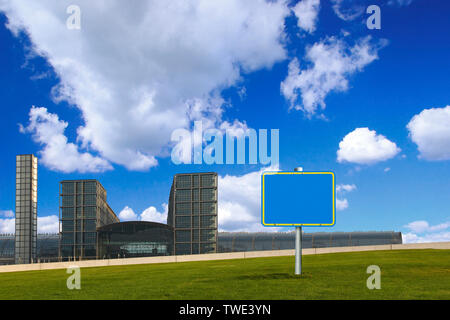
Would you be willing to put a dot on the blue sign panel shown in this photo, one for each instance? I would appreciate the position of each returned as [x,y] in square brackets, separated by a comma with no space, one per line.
[298,199]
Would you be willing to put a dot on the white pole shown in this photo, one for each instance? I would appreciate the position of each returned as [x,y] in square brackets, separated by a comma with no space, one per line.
[298,244]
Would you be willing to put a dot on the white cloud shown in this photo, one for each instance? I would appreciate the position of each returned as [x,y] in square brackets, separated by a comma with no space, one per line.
[7,225]
[240,207]
[364,146]
[342,188]
[134,70]
[349,9]
[332,63]
[430,130]
[7,213]
[48,224]
[341,204]
[127,214]
[434,237]
[307,12]
[423,226]
[150,214]
[421,232]
[57,153]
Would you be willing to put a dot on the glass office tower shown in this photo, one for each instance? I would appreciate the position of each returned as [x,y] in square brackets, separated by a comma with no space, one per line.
[83,209]
[193,213]
[26,209]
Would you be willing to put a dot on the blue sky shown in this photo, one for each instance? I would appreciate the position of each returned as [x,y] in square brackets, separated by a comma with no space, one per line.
[130,76]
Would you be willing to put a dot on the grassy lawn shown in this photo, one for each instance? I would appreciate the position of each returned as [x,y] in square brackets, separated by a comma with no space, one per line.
[407,274]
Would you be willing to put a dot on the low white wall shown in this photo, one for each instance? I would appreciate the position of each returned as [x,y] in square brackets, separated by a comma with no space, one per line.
[215,256]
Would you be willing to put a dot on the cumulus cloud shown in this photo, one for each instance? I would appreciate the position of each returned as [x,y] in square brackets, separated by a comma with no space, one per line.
[331,62]
[421,232]
[423,226]
[240,202]
[430,131]
[364,146]
[127,214]
[48,224]
[434,237]
[307,12]
[57,153]
[7,225]
[137,69]
[150,214]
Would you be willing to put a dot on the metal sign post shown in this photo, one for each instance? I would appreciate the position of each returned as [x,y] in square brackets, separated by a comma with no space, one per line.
[298,250]
[298,244]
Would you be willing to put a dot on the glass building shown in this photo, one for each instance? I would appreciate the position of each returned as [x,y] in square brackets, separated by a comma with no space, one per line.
[193,213]
[134,239]
[26,209]
[82,209]
[259,241]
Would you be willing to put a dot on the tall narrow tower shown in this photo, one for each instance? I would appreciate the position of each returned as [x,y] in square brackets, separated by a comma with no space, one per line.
[193,213]
[26,208]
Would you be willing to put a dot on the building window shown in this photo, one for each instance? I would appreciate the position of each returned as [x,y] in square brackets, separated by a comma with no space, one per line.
[208,180]
[183,208]
[89,225]
[67,201]
[90,187]
[67,188]
[90,200]
[207,235]
[183,222]
[183,236]
[208,194]
[208,208]
[208,221]
[67,213]
[183,248]
[183,195]
[195,181]
[183,181]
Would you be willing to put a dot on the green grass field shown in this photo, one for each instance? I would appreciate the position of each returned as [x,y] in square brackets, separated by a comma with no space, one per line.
[408,274]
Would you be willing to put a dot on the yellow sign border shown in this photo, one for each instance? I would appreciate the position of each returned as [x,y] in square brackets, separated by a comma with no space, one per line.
[300,225]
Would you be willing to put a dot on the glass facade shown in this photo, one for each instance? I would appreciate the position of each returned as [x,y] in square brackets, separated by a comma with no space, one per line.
[260,241]
[26,209]
[83,209]
[147,239]
[193,213]
[135,239]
